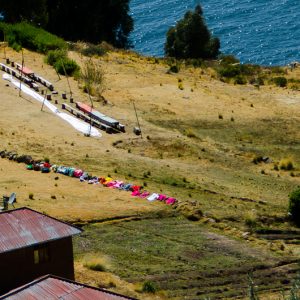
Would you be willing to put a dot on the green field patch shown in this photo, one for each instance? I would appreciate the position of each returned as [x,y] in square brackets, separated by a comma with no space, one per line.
[179,256]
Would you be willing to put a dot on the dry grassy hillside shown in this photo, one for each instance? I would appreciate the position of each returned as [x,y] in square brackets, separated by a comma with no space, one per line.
[198,145]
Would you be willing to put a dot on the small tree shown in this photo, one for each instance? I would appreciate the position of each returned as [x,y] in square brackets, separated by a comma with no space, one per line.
[190,38]
[294,206]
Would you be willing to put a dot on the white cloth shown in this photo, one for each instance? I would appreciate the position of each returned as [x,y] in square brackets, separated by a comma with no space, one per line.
[77,124]
[153,197]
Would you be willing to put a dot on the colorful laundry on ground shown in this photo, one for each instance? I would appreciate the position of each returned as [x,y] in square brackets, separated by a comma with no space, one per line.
[136,190]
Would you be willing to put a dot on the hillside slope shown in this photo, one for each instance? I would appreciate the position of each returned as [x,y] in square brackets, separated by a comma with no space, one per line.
[198,146]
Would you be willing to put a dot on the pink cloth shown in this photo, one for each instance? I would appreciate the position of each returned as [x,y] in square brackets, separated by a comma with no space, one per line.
[117,184]
[78,173]
[144,194]
[162,197]
[170,201]
[135,193]
[111,184]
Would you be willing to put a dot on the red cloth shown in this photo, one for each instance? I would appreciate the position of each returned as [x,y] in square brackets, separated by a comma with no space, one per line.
[135,188]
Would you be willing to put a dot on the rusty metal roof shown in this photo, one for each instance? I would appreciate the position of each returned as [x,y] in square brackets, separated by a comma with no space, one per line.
[25,227]
[53,287]
[26,71]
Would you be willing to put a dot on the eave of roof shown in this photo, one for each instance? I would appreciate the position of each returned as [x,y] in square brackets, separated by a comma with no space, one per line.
[25,227]
[58,286]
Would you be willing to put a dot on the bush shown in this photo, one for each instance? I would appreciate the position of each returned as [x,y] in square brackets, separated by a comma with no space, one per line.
[280,81]
[257,159]
[230,71]
[251,222]
[68,66]
[149,287]
[286,164]
[294,206]
[190,133]
[174,69]
[240,80]
[228,60]
[95,264]
[92,75]
[93,50]
[60,61]
[53,56]
[277,70]
[195,62]
[233,70]
[25,35]
[257,81]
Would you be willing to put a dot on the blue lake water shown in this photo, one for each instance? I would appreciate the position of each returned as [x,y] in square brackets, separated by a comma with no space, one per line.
[265,32]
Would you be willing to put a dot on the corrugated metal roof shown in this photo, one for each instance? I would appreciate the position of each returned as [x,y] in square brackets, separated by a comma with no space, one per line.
[52,287]
[84,107]
[25,227]
[103,117]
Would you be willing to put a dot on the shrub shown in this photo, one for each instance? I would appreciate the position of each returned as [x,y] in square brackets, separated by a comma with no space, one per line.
[294,206]
[67,66]
[93,78]
[257,81]
[257,159]
[95,264]
[63,65]
[240,80]
[149,287]
[280,81]
[230,71]
[25,35]
[30,196]
[286,164]
[190,133]
[174,69]
[53,56]
[251,222]
[228,59]
[195,62]
[234,70]
[93,50]
[277,70]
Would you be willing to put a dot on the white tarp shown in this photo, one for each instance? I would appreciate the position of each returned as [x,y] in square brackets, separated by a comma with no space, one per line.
[77,124]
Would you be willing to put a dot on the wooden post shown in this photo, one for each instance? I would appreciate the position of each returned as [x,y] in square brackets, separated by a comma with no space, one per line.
[44,101]
[4,45]
[137,118]
[21,73]
[67,79]
[92,106]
